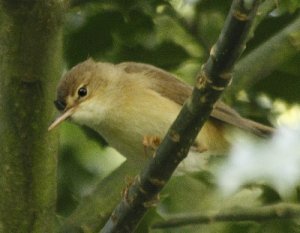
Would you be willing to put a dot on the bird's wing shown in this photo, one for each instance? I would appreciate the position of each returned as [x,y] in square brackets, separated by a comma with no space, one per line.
[169,86]
[162,82]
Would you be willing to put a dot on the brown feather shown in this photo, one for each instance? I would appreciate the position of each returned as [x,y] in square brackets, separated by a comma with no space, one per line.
[171,87]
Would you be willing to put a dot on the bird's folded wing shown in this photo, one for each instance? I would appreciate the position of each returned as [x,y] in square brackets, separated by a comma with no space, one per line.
[169,86]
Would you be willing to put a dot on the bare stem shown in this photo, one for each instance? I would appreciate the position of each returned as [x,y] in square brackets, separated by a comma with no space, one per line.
[279,211]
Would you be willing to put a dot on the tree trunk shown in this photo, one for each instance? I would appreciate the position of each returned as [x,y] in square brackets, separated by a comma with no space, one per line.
[30,64]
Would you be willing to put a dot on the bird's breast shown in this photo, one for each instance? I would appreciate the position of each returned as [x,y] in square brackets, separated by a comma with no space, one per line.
[128,123]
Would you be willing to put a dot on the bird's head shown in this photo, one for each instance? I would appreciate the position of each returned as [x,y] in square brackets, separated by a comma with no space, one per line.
[79,90]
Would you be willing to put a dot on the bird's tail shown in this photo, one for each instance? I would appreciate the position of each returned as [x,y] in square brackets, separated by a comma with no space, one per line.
[258,128]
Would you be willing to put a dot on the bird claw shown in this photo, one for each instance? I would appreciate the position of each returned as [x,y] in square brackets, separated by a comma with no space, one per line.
[152,203]
[150,142]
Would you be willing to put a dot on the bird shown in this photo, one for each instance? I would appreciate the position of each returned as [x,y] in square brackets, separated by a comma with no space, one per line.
[132,105]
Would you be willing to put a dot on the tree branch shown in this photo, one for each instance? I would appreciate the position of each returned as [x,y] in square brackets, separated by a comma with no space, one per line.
[279,211]
[192,27]
[212,80]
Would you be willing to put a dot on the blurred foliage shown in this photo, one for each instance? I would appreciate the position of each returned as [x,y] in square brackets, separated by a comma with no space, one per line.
[177,36]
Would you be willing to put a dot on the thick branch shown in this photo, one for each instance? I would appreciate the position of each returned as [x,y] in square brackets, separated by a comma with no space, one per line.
[213,78]
[273,212]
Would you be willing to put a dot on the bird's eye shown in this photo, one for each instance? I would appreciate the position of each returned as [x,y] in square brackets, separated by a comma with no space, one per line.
[82,91]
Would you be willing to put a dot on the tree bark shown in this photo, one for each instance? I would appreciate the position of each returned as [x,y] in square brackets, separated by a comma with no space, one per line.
[30,63]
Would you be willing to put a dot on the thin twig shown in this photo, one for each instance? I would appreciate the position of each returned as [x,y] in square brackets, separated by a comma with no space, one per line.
[259,214]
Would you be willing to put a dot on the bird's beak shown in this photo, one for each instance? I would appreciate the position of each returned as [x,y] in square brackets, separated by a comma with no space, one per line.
[61,118]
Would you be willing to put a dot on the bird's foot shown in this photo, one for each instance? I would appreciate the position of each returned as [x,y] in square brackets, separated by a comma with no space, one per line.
[199,147]
[151,142]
